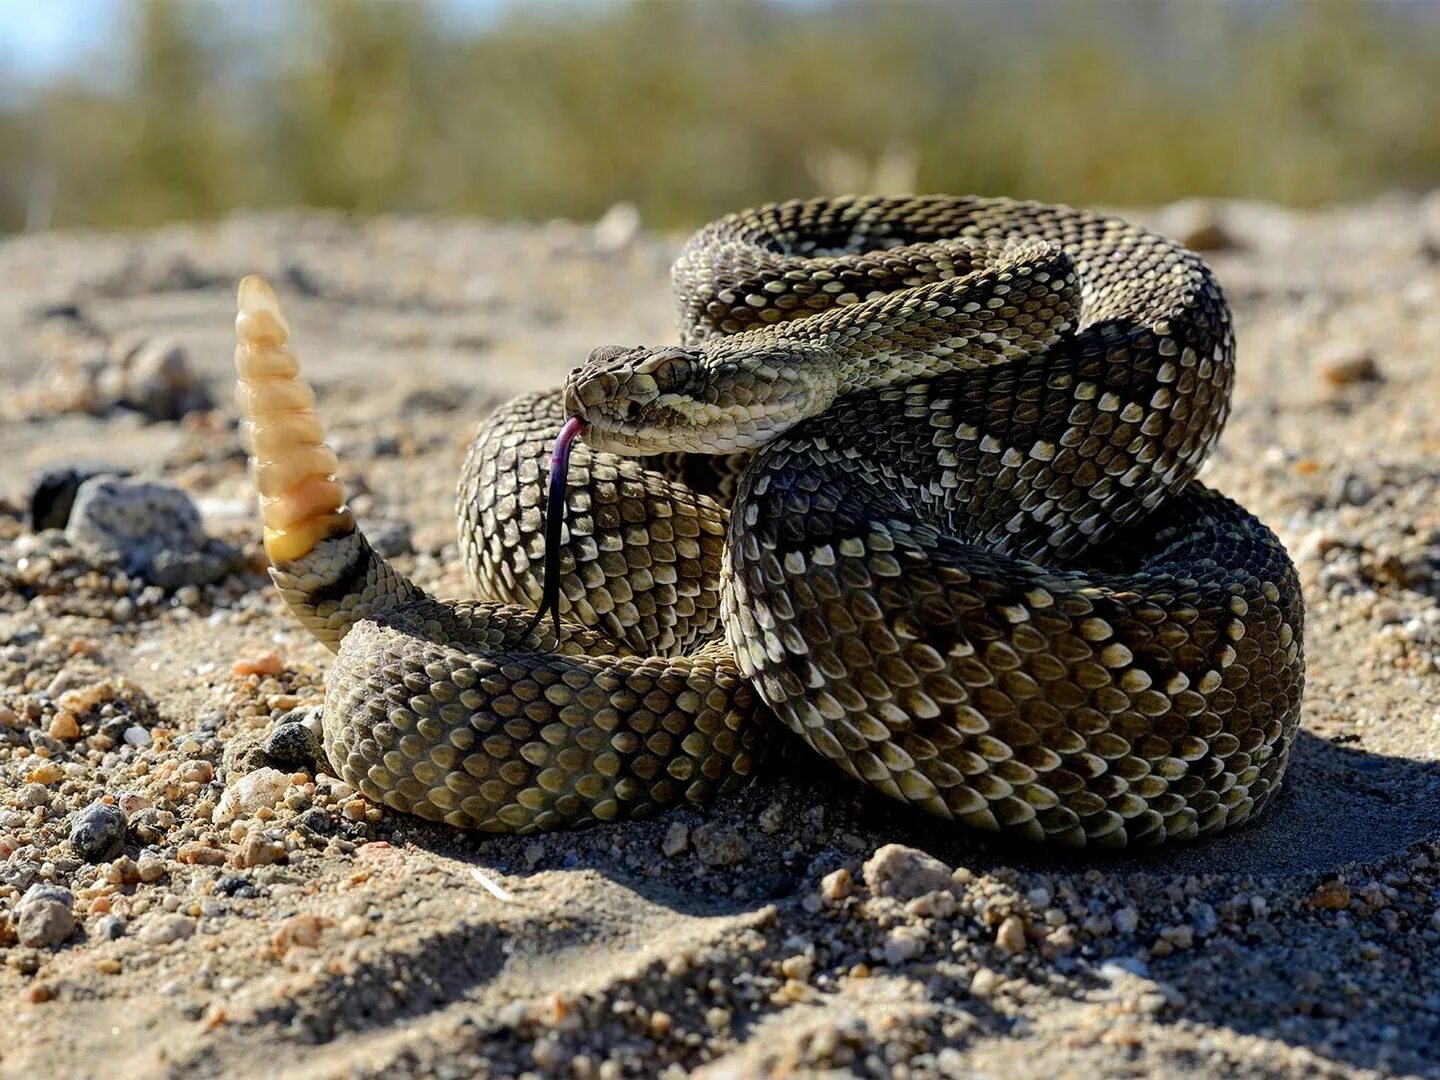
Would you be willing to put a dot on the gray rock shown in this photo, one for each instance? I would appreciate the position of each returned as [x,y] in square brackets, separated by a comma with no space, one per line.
[98,832]
[153,528]
[45,916]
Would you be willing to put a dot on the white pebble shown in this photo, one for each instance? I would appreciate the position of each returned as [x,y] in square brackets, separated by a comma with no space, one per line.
[263,787]
[903,943]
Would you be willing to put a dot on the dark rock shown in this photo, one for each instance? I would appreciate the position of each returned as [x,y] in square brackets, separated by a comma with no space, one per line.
[292,746]
[318,821]
[98,832]
[236,885]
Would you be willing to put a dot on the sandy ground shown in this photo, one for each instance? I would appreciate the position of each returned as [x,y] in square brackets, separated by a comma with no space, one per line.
[771,934]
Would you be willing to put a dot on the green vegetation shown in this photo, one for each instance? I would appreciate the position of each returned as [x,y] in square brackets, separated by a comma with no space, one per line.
[690,109]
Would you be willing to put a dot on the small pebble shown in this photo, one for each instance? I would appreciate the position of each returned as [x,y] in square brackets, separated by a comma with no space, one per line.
[1347,371]
[196,852]
[64,727]
[836,886]
[266,663]
[45,916]
[677,839]
[903,873]
[318,821]
[985,982]
[123,871]
[1331,896]
[298,931]
[236,885]
[903,943]
[164,929]
[719,845]
[109,927]
[256,850]
[131,803]
[263,788]
[47,774]
[1011,935]
[797,967]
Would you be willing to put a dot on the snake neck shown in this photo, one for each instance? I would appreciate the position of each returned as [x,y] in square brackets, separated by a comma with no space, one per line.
[322,564]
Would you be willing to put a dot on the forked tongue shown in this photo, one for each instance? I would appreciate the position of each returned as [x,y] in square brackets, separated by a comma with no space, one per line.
[555,523]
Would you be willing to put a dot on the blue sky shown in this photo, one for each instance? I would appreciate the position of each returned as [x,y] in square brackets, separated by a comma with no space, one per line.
[39,38]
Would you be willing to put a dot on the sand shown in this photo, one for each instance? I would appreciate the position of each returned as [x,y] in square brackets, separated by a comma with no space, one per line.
[774,933]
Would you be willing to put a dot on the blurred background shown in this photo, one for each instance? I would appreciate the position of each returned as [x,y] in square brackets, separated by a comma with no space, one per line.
[117,113]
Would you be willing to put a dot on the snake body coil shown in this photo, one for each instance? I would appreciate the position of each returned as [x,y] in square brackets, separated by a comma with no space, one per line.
[919,480]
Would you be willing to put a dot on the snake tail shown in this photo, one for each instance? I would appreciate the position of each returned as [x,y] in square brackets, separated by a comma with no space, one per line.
[320,561]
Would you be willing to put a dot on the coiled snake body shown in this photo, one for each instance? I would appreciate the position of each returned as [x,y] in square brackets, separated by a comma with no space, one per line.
[919,481]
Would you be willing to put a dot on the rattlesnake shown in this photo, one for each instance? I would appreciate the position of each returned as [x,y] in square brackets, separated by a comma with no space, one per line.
[919,481]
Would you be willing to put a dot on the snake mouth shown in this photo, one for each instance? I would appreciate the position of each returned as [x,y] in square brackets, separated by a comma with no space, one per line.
[554,523]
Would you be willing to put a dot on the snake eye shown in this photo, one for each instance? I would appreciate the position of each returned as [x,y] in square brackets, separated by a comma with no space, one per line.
[670,369]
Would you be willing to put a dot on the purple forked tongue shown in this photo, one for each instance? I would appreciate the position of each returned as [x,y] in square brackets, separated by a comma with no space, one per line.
[555,523]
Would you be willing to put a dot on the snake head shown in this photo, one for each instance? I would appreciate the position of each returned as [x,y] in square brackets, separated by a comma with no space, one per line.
[718,398]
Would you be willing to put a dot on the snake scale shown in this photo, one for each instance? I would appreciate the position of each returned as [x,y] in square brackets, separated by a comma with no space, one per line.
[919,480]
